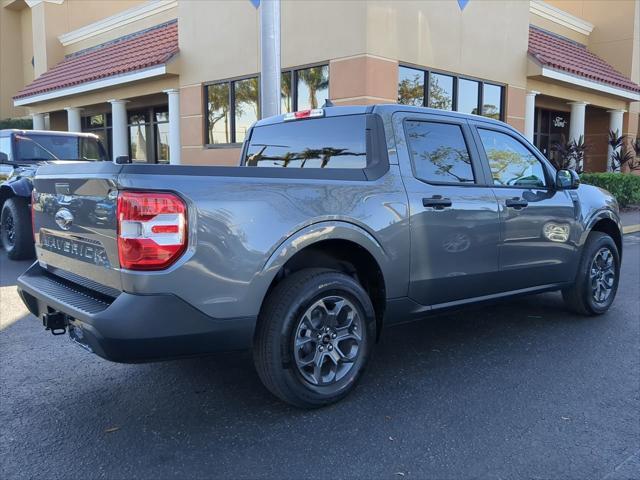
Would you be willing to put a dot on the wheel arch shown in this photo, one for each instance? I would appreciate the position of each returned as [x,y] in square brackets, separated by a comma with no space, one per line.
[336,245]
[17,188]
[608,223]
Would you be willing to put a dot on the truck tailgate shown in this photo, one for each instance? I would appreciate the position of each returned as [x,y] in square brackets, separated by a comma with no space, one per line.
[74,221]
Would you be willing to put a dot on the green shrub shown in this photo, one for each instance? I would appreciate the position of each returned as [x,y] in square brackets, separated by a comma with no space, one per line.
[624,186]
[19,123]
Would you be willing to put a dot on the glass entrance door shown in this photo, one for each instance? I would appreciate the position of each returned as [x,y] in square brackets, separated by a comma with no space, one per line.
[551,126]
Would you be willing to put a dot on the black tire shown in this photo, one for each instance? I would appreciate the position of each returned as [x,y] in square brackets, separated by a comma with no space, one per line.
[581,297]
[283,321]
[16,234]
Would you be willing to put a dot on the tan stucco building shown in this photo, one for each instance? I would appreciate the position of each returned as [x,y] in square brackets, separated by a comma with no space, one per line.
[177,80]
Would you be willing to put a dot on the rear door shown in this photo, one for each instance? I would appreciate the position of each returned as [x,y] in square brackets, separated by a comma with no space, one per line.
[454,215]
[539,230]
[75,223]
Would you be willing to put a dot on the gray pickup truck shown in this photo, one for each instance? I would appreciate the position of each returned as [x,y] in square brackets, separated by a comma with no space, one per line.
[339,222]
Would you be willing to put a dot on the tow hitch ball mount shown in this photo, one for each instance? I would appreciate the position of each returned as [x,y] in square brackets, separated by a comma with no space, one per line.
[56,322]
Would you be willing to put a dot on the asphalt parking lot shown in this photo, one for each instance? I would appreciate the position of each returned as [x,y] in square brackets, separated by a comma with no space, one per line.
[522,389]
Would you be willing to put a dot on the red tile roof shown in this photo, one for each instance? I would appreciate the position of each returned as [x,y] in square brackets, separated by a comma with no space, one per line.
[563,54]
[138,51]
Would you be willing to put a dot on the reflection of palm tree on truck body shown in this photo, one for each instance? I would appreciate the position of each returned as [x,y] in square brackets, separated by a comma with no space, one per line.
[325,155]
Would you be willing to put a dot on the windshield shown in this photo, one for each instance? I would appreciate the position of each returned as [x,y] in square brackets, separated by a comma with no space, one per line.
[39,148]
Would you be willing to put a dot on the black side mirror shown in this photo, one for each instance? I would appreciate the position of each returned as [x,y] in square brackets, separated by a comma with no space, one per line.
[123,160]
[567,180]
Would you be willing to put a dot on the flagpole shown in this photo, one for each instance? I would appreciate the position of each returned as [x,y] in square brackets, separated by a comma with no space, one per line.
[270,58]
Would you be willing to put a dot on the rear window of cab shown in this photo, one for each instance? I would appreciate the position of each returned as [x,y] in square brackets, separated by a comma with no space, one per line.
[329,142]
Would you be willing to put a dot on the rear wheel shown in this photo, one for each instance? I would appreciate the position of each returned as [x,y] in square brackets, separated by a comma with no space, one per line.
[598,275]
[16,234]
[314,337]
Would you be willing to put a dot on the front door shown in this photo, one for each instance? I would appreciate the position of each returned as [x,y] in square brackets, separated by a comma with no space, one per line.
[551,127]
[539,231]
[454,216]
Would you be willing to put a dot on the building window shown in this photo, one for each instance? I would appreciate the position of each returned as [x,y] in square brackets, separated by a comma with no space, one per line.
[438,152]
[148,133]
[138,137]
[468,92]
[449,92]
[304,88]
[492,101]
[232,107]
[245,107]
[440,91]
[161,131]
[411,87]
[100,125]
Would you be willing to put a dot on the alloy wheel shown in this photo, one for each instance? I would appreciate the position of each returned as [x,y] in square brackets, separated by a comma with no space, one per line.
[328,340]
[8,230]
[602,275]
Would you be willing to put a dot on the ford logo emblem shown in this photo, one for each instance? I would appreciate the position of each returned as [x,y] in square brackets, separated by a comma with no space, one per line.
[64,218]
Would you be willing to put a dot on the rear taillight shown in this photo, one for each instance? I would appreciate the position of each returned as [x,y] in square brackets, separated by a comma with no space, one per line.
[152,229]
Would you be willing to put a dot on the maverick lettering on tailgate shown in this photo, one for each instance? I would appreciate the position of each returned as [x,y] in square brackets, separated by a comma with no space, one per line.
[87,252]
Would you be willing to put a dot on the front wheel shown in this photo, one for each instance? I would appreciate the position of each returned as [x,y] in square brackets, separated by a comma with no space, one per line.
[314,337]
[16,234]
[598,275]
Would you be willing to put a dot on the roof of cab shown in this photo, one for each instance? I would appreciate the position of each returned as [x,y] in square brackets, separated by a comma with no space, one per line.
[384,109]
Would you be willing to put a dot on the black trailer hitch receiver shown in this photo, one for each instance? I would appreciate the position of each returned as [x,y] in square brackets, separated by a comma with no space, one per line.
[56,322]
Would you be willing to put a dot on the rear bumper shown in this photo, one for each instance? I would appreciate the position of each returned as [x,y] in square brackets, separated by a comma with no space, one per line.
[132,328]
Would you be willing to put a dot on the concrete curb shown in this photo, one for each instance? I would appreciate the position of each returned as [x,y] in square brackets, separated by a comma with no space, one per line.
[630,229]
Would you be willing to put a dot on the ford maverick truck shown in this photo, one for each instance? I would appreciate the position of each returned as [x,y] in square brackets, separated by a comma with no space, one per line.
[338,223]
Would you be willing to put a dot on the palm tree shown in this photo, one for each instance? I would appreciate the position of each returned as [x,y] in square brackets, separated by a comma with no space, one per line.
[315,78]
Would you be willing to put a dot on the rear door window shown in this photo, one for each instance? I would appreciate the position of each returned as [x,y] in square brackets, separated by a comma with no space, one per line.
[333,142]
[439,152]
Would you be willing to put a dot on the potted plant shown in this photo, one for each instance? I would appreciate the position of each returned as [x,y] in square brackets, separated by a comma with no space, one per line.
[621,157]
[569,155]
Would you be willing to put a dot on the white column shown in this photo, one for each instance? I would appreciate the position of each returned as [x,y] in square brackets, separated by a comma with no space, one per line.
[576,123]
[530,114]
[38,121]
[174,125]
[119,132]
[615,125]
[74,121]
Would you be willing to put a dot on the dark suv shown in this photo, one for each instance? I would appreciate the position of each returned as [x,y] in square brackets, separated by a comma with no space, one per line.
[21,151]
